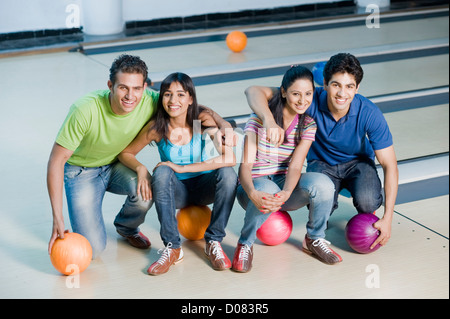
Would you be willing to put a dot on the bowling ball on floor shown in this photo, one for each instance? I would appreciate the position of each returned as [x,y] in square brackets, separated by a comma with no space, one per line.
[360,233]
[72,254]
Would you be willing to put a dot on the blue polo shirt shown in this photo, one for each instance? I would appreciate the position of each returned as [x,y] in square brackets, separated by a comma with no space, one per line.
[363,130]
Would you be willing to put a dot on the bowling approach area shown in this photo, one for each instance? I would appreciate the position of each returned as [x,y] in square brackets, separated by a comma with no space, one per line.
[406,64]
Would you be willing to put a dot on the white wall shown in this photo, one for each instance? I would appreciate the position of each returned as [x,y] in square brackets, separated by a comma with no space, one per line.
[140,10]
[31,15]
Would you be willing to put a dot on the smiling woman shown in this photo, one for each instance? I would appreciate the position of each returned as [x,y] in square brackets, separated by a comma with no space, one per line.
[176,99]
[186,174]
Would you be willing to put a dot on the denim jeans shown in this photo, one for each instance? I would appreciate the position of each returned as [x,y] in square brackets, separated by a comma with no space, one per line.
[314,189]
[85,188]
[359,177]
[169,194]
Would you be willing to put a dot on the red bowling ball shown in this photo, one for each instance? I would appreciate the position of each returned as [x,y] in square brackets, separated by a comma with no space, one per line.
[276,229]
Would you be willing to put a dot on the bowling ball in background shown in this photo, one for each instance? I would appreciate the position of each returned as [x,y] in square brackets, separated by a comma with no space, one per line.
[317,72]
[236,41]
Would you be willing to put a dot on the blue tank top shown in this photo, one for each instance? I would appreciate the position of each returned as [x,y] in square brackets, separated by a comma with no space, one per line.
[193,152]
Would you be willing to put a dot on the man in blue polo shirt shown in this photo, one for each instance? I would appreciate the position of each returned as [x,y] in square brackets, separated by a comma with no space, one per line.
[352,132]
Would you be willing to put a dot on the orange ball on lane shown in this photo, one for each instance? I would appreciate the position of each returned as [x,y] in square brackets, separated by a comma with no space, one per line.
[236,41]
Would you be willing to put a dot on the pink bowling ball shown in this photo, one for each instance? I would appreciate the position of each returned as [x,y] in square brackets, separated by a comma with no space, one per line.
[276,229]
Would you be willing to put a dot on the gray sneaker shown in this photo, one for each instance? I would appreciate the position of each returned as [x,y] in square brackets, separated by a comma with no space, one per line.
[319,249]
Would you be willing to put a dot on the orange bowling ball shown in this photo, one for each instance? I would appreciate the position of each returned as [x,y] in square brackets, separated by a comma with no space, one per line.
[72,254]
[236,41]
[193,221]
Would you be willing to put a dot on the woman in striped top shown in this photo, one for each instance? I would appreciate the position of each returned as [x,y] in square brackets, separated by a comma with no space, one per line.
[271,176]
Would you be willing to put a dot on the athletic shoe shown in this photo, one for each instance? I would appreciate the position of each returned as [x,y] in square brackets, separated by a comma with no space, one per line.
[138,240]
[319,249]
[243,258]
[218,258]
[170,256]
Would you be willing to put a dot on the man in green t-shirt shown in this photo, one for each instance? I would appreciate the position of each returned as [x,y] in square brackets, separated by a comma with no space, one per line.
[84,157]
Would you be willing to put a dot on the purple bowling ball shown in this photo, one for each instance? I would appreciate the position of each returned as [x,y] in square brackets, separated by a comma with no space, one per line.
[361,234]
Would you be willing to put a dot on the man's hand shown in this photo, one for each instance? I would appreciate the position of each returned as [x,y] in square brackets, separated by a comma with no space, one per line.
[227,136]
[384,226]
[275,134]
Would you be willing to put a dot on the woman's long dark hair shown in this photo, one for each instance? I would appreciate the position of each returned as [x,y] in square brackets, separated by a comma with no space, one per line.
[278,102]
[161,118]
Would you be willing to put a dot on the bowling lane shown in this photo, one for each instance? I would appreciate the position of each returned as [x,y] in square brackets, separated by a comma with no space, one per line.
[228,98]
[420,132]
[405,75]
[208,54]
[430,213]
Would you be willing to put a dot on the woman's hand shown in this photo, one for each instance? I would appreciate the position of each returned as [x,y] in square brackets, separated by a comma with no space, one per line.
[265,202]
[175,167]
[282,196]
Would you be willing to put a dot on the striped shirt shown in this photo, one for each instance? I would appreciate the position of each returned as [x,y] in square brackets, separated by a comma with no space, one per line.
[271,160]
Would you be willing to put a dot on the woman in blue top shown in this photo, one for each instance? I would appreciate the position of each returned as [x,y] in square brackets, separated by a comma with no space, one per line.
[186,174]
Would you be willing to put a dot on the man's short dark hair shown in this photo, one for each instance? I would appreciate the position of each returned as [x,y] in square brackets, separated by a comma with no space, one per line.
[343,63]
[128,64]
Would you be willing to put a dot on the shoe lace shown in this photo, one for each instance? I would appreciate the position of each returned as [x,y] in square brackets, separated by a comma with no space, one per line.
[165,253]
[322,244]
[216,249]
[244,252]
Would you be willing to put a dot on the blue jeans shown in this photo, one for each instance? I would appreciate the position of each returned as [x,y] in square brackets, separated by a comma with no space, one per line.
[359,177]
[314,189]
[170,193]
[85,188]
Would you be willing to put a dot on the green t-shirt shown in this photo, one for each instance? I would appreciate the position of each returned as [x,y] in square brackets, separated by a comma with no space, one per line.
[95,134]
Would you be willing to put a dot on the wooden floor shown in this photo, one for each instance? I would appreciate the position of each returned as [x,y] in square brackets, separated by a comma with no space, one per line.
[37,91]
